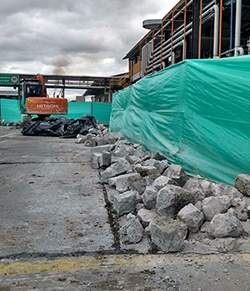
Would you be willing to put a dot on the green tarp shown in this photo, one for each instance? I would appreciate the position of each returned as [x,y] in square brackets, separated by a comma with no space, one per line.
[196,112]
[9,110]
[101,111]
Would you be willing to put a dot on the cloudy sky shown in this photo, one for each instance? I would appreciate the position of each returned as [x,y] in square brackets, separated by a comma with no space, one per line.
[74,37]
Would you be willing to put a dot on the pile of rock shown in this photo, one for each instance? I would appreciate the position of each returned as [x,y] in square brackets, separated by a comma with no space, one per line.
[14,124]
[159,201]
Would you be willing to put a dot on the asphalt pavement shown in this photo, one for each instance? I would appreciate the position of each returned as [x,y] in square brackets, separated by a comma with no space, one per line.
[51,201]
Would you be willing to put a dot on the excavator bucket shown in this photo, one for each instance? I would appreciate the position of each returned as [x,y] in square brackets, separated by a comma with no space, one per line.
[46,106]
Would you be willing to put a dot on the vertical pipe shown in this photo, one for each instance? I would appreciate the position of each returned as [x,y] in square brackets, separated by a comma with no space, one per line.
[140,61]
[173,55]
[184,49]
[231,26]
[172,37]
[185,22]
[161,42]
[216,31]
[153,48]
[221,4]
[130,70]
[238,25]
[63,90]
[200,29]
[145,65]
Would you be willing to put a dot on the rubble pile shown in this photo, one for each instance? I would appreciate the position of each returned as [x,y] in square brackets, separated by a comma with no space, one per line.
[13,124]
[157,204]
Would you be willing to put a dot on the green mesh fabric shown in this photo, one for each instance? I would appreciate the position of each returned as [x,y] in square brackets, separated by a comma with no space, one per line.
[196,112]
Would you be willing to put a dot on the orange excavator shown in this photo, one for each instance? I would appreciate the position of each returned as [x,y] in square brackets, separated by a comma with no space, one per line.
[35,100]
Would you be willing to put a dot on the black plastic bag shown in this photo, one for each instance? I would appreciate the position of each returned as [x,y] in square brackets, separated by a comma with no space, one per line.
[59,126]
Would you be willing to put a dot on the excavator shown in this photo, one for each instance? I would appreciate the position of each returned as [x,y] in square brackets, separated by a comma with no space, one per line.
[35,100]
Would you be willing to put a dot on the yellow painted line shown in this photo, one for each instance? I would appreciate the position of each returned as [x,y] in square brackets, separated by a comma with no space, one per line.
[111,262]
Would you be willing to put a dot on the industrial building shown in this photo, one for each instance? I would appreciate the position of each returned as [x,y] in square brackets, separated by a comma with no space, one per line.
[114,84]
[191,30]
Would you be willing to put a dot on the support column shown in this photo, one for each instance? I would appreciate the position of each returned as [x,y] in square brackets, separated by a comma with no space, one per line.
[195,29]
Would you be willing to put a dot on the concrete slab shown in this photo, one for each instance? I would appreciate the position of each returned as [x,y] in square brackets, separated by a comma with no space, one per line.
[51,199]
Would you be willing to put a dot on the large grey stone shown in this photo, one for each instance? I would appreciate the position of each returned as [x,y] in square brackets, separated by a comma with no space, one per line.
[149,197]
[105,159]
[137,183]
[94,131]
[192,217]
[150,194]
[121,152]
[121,182]
[176,173]
[242,183]
[162,181]
[149,180]
[100,140]
[81,139]
[219,189]
[114,159]
[146,216]
[118,168]
[138,198]
[205,226]
[168,234]
[223,189]
[132,159]
[90,142]
[246,226]
[240,209]
[115,135]
[171,199]
[139,206]
[198,205]
[100,149]
[139,152]
[124,203]
[123,148]
[193,185]
[158,156]
[215,205]
[145,170]
[108,138]
[95,160]
[225,225]
[161,166]
[111,193]
[134,229]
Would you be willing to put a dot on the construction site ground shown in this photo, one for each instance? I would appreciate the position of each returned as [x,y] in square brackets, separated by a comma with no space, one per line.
[56,232]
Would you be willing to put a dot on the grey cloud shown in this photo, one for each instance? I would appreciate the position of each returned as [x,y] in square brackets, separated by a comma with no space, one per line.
[83,32]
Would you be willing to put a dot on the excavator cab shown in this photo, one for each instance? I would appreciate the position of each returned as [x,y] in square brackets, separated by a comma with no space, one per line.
[29,88]
[34,91]
[34,99]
